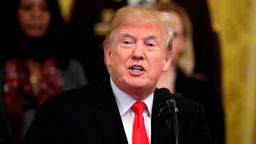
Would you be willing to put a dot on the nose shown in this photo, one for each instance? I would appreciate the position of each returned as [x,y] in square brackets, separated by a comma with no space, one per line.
[138,53]
[36,13]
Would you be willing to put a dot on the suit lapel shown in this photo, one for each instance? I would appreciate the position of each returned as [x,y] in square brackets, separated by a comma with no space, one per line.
[108,117]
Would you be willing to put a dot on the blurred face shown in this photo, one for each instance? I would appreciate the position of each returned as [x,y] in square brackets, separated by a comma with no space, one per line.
[34,17]
[136,57]
[179,41]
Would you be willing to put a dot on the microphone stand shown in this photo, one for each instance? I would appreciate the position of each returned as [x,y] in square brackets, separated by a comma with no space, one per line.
[176,124]
[168,112]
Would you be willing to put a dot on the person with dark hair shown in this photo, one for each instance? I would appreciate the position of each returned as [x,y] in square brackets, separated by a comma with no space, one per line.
[33,70]
[126,108]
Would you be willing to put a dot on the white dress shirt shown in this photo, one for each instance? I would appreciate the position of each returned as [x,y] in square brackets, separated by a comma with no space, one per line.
[124,103]
[148,3]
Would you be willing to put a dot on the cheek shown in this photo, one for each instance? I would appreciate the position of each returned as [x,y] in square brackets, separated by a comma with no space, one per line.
[23,19]
[178,46]
[113,57]
[118,58]
[157,64]
[46,20]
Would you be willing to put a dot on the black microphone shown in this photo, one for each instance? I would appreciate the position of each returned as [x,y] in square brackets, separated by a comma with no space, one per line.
[167,111]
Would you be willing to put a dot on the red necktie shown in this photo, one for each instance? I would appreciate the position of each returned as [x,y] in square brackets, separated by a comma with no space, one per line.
[139,134]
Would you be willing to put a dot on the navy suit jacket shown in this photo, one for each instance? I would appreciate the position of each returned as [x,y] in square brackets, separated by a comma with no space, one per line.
[90,115]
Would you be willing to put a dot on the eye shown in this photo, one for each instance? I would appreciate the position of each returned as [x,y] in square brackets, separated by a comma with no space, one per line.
[151,44]
[127,42]
[26,7]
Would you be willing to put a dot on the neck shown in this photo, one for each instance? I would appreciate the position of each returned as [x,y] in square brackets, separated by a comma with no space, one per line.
[139,93]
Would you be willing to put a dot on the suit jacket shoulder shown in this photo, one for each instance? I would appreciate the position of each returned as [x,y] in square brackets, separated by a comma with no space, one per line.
[79,116]
[192,127]
[90,115]
[201,91]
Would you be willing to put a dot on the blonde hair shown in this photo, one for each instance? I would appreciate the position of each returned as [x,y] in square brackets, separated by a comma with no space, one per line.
[186,61]
[135,14]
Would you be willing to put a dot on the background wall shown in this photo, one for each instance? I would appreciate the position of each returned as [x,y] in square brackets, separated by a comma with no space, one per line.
[237,29]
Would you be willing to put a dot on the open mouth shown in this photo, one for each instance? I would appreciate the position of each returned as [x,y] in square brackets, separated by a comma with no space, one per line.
[137,68]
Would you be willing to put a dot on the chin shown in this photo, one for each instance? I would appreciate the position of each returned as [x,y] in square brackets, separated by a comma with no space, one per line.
[35,34]
[136,83]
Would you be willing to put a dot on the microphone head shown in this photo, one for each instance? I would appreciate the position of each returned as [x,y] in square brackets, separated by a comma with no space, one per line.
[164,94]
[166,99]
[165,102]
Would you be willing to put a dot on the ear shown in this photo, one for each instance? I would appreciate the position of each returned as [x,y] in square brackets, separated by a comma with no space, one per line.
[167,62]
[107,56]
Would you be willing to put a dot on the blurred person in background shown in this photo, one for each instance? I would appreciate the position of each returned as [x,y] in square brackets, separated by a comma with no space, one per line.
[181,79]
[35,67]
[205,41]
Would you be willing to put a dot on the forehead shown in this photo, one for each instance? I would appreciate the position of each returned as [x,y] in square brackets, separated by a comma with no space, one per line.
[142,29]
[32,1]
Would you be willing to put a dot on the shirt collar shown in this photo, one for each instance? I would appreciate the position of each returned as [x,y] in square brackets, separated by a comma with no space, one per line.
[135,2]
[124,101]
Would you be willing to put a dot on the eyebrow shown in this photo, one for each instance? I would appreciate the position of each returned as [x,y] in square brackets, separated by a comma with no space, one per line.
[151,37]
[127,35]
[130,36]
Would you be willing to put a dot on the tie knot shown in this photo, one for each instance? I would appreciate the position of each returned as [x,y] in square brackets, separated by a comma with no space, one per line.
[138,107]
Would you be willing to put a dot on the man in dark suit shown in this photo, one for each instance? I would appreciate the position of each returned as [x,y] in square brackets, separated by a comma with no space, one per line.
[128,107]
[86,16]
